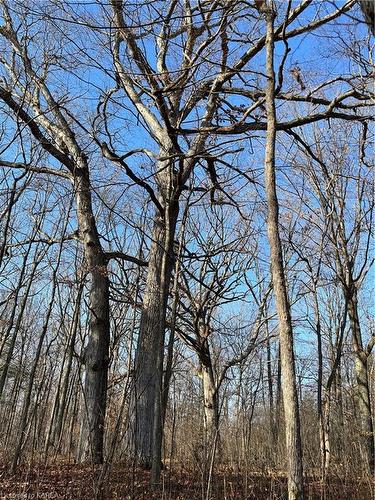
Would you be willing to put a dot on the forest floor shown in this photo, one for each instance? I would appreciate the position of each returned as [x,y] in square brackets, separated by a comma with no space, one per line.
[121,482]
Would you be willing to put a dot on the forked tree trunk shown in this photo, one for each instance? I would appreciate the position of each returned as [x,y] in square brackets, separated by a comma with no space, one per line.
[54,135]
[97,350]
[290,399]
[146,398]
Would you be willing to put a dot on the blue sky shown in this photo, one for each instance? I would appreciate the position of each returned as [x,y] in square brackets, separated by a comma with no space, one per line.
[316,57]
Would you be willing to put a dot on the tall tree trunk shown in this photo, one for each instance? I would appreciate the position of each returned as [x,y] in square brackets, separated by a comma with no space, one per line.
[146,399]
[279,393]
[363,401]
[290,399]
[172,336]
[97,350]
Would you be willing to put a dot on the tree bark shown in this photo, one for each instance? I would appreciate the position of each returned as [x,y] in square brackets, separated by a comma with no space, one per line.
[211,413]
[211,407]
[324,435]
[290,399]
[172,336]
[322,402]
[97,350]
[146,399]
[363,400]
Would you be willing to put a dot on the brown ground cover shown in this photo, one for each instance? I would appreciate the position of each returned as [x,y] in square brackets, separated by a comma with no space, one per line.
[122,482]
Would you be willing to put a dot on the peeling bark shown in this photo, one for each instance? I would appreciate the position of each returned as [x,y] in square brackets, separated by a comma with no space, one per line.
[210,399]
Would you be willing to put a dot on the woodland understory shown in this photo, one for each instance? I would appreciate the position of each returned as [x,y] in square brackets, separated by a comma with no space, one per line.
[187,249]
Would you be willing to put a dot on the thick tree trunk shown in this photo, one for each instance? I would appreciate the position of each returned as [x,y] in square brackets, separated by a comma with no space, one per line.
[146,399]
[97,350]
[364,410]
[290,399]
[209,387]
[211,408]
[363,387]
[211,411]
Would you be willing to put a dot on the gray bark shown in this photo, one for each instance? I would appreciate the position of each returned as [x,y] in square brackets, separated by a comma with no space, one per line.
[97,350]
[211,410]
[210,389]
[146,401]
[290,399]
[324,436]
[363,400]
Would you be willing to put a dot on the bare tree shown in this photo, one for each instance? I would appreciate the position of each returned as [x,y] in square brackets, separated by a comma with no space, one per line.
[134,204]
[30,100]
[290,399]
[350,240]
